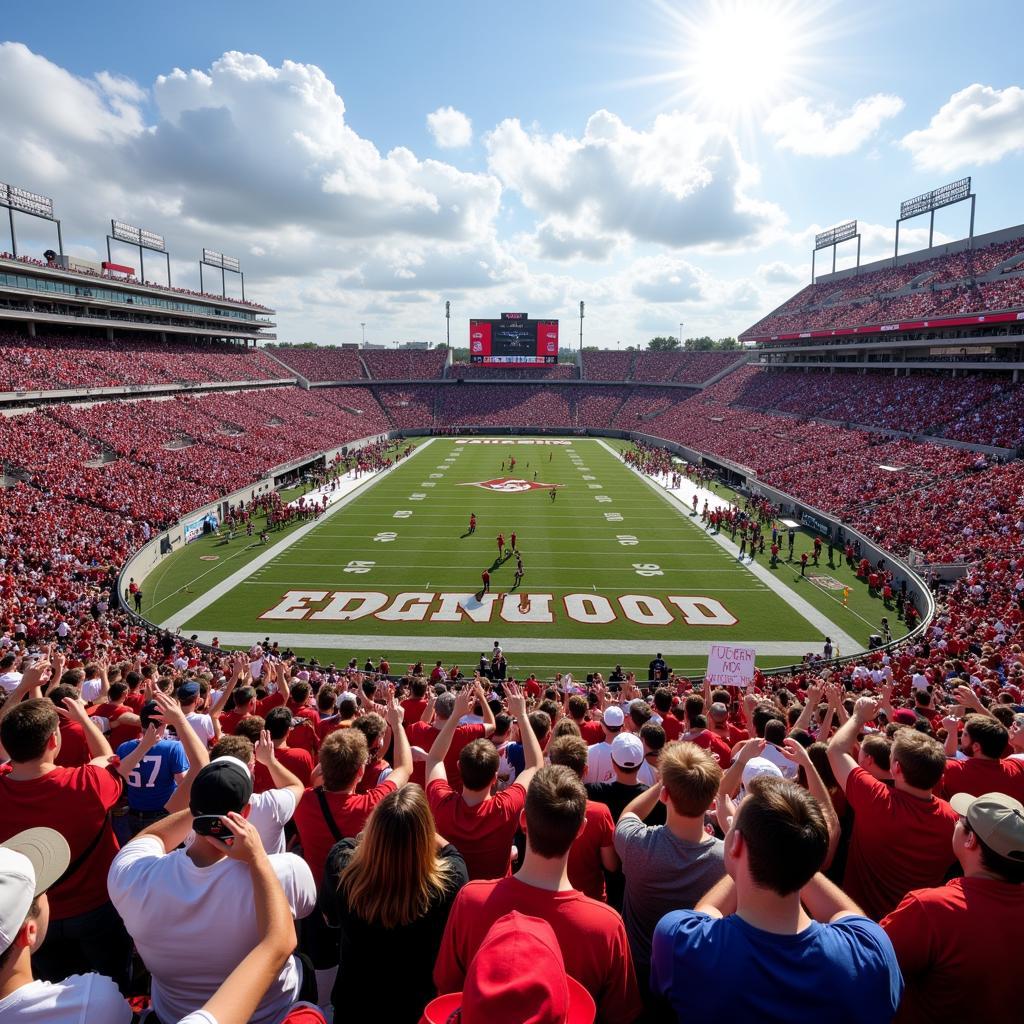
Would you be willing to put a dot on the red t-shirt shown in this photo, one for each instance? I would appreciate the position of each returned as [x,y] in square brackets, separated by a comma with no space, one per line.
[978,776]
[75,801]
[299,762]
[482,833]
[350,812]
[953,949]
[719,749]
[673,727]
[423,734]
[413,708]
[590,934]
[585,871]
[899,843]
[135,699]
[305,737]
[591,732]
[74,748]
[118,733]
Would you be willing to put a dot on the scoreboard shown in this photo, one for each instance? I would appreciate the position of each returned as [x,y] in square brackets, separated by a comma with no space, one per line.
[514,340]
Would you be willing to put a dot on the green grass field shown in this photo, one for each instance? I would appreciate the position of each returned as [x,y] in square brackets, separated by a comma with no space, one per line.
[615,571]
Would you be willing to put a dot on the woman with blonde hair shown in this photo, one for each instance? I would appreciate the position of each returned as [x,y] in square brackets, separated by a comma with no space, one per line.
[389,892]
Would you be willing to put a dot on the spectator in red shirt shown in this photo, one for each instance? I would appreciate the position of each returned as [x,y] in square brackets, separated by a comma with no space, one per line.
[901,835]
[577,707]
[590,934]
[985,740]
[593,851]
[298,761]
[480,826]
[85,932]
[953,942]
[375,729]
[423,734]
[414,706]
[331,810]
[246,705]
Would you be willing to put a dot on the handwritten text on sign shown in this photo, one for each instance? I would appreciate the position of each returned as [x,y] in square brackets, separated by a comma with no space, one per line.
[730,666]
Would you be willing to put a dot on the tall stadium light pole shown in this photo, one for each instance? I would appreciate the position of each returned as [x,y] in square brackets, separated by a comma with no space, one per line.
[680,335]
[448,323]
[581,328]
[363,325]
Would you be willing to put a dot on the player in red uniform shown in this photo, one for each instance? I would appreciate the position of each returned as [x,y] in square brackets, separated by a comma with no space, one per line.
[472,522]
[512,540]
[486,577]
[501,544]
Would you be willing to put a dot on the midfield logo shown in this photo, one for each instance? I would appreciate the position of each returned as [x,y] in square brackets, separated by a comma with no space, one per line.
[512,485]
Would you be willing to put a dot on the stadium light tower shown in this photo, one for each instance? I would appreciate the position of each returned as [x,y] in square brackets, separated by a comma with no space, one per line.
[448,322]
[223,263]
[20,200]
[928,202]
[680,334]
[363,325]
[832,238]
[581,328]
[140,239]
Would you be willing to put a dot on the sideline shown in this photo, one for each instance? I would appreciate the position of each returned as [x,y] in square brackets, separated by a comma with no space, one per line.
[841,640]
[348,490]
[351,642]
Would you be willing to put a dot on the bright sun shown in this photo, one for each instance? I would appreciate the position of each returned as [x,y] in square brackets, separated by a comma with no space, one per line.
[743,57]
[735,59]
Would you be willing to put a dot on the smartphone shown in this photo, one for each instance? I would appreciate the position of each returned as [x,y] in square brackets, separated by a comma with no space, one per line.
[211,825]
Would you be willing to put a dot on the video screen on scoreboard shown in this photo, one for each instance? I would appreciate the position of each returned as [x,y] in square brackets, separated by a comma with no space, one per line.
[514,340]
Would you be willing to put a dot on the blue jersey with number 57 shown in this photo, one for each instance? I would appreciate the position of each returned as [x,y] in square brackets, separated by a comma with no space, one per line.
[152,783]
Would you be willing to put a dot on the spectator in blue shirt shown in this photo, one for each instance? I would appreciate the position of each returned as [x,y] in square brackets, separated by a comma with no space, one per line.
[750,950]
[153,768]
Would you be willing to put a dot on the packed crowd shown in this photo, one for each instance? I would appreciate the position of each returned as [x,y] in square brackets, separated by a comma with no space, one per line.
[54,362]
[849,841]
[971,407]
[942,285]
[476,371]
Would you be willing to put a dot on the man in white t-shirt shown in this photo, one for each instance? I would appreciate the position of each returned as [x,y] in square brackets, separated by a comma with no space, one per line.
[191,911]
[204,725]
[599,755]
[30,863]
[272,809]
[9,677]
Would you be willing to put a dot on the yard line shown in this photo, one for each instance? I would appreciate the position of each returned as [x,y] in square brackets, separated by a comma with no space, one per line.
[465,586]
[226,585]
[804,608]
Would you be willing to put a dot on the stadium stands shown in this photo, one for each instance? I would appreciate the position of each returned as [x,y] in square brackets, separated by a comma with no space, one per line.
[324,363]
[404,364]
[50,363]
[608,365]
[949,285]
[682,367]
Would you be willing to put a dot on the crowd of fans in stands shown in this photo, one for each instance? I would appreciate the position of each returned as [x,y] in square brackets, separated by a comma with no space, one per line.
[945,285]
[800,832]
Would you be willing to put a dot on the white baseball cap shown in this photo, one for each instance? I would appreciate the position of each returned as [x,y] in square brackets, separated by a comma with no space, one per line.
[30,862]
[757,766]
[613,717]
[627,751]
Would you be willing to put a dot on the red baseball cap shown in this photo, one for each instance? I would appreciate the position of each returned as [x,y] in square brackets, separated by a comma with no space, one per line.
[516,977]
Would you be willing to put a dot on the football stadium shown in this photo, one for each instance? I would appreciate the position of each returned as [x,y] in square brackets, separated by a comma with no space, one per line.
[627,681]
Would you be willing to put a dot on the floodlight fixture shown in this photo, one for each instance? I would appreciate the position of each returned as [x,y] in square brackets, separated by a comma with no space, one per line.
[141,239]
[230,264]
[21,200]
[831,239]
[928,202]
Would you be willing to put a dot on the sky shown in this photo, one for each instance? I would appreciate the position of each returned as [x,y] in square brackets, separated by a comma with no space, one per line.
[666,162]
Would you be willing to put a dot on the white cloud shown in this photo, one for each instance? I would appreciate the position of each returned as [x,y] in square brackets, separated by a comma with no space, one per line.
[680,183]
[977,125]
[779,272]
[822,130]
[451,128]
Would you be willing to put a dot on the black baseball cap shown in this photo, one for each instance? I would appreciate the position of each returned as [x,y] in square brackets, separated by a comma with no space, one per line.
[149,714]
[224,785]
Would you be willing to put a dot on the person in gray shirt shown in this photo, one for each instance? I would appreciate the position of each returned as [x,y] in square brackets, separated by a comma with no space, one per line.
[671,866]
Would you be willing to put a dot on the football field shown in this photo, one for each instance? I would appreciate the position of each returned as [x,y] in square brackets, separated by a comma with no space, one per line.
[615,569]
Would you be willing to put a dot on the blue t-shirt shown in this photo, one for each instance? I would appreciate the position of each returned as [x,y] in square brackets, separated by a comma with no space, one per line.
[726,969]
[152,784]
